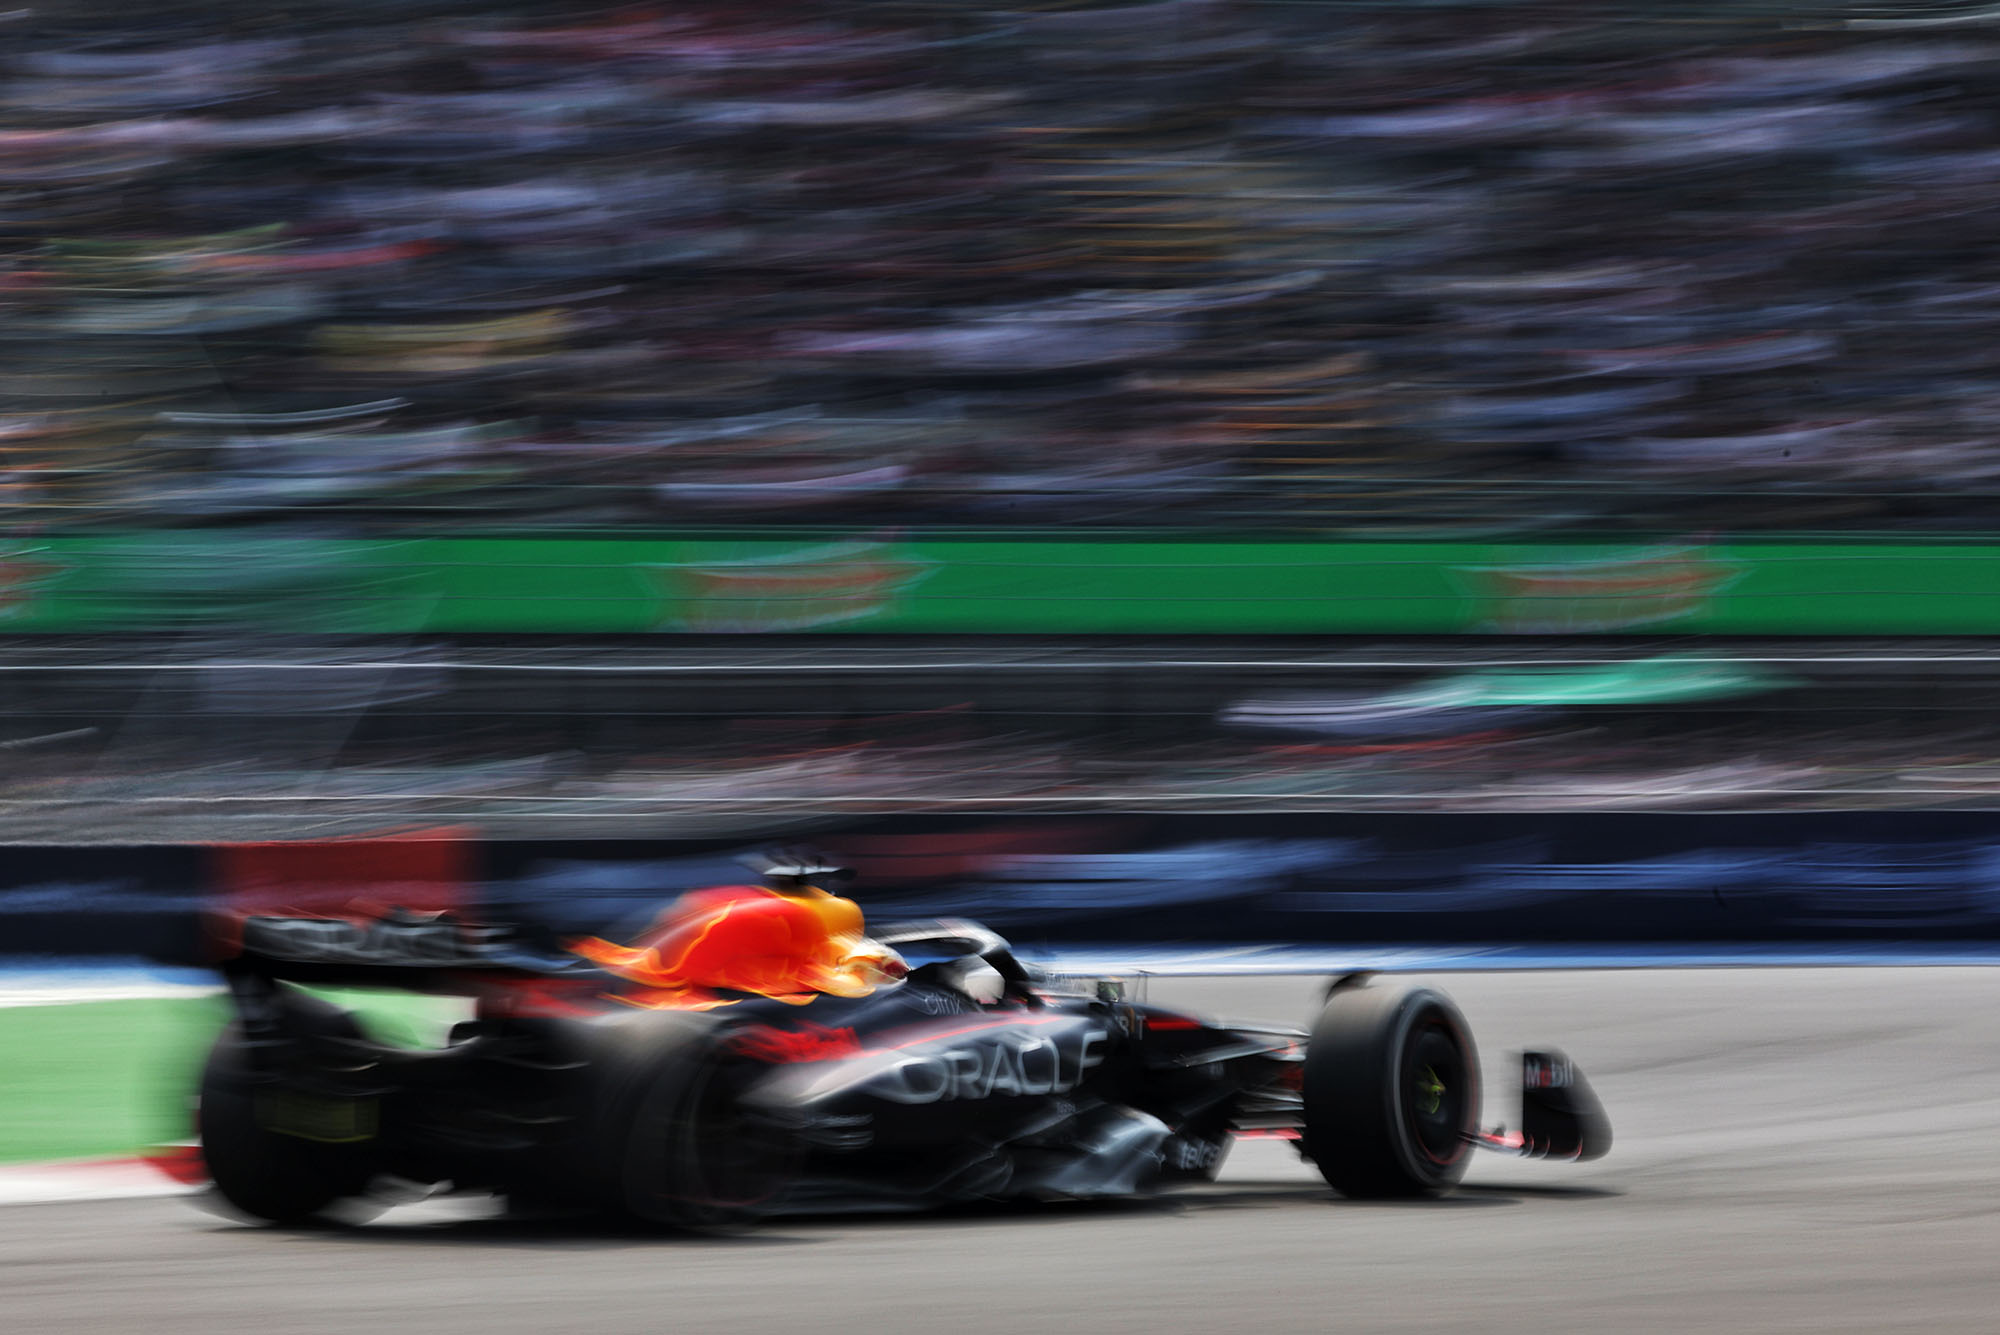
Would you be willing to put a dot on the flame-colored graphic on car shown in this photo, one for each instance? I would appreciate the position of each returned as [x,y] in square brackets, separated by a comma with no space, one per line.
[713,946]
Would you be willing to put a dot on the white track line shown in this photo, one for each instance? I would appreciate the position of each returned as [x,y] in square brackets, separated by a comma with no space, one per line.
[84,1180]
[56,990]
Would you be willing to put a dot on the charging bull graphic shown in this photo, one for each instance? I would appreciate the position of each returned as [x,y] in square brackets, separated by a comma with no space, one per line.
[791,941]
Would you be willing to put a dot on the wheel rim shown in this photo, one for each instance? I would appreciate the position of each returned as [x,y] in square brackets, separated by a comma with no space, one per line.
[1437,1093]
[732,1164]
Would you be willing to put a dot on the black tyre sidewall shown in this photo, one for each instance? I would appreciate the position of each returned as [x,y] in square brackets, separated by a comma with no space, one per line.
[663,1122]
[275,1178]
[1360,1128]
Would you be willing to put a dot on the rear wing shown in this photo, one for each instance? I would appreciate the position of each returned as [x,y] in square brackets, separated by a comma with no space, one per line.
[420,952]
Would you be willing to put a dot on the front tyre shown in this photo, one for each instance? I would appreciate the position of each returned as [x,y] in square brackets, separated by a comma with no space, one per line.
[1391,1092]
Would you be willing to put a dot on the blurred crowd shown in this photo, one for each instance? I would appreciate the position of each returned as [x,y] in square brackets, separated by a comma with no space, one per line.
[1371,267]
[97,787]
[353,742]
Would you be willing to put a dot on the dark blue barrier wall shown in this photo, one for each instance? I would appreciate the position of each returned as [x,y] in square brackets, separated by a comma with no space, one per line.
[60,900]
[1597,878]
[1333,879]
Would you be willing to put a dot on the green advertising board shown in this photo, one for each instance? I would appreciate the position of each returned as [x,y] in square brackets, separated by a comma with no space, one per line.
[947,585]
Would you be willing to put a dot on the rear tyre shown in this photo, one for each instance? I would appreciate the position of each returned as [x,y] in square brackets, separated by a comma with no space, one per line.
[1391,1092]
[264,1174]
[680,1146]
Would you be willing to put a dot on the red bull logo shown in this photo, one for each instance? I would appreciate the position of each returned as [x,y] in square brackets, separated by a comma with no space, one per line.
[741,939]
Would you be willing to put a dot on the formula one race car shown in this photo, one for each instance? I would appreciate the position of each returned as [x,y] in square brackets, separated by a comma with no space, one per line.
[757,1052]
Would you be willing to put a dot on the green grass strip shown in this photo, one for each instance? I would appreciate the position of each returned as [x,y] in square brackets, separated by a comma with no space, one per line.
[99,1079]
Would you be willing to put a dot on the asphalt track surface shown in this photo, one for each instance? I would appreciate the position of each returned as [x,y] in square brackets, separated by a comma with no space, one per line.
[1798,1150]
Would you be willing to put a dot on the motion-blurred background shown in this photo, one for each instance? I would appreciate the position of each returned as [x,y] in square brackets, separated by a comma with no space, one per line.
[725,421]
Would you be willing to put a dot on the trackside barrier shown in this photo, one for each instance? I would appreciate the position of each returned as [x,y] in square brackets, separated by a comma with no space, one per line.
[1874,877]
